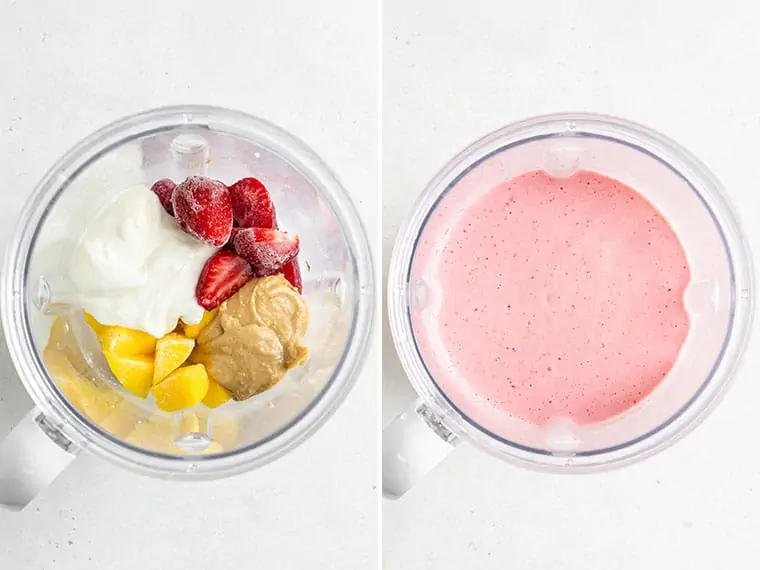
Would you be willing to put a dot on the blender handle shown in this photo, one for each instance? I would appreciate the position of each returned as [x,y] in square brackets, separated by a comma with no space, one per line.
[413,444]
[31,458]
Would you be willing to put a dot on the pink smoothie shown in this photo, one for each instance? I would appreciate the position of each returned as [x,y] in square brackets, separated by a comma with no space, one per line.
[559,297]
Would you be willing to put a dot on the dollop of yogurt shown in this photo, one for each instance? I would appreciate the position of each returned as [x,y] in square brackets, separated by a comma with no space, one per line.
[135,268]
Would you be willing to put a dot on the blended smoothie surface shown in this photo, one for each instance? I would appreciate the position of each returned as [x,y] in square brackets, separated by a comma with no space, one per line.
[554,298]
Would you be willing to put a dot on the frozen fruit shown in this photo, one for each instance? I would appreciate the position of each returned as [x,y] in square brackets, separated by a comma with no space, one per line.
[216,395]
[266,248]
[94,324]
[192,331]
[222,276]
[135,372]
[202,208]
[292,272]
[164,189]
[251,205]
[182,389]
[233,233]
[129,354]
[261,272]
[127,342]
[171,352]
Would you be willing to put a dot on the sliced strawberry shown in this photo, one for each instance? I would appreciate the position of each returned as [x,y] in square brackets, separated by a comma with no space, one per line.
[223,275]
[203,209]
[164,189]
[292,272]
[266,248]
[230,244]
[260,272]
[251,205]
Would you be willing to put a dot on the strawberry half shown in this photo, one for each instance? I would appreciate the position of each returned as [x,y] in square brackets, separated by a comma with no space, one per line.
[292,272]
[229,245]
[251,205]
[222,276]
[203,209]
[164,189]
[265,248]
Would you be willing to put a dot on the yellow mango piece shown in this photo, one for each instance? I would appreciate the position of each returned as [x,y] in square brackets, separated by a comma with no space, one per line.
[183,388]
[94,324]
[192,331]
[171,352]
[127,342]
[216,395]
[134,372]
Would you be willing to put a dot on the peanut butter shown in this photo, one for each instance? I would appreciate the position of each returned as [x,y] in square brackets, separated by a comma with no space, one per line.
[255,338]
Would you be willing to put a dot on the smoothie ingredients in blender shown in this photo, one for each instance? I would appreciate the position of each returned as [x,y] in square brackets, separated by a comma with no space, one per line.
[176,317]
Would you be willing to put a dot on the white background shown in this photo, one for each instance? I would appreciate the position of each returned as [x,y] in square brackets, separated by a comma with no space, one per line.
[453,71]
[67,68]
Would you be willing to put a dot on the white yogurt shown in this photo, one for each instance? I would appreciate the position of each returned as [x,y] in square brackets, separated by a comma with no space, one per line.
[135,268]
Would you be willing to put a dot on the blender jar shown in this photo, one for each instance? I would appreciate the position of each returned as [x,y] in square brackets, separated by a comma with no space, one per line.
[80,405]
[719,301]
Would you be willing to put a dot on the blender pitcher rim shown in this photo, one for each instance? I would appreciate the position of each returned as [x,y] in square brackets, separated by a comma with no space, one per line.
[15,311]
[641,139]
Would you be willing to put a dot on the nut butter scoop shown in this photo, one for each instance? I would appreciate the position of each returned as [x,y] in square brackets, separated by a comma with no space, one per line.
[256,337]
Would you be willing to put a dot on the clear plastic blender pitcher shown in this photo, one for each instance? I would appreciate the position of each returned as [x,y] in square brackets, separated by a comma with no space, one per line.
[79,404]
[719,301]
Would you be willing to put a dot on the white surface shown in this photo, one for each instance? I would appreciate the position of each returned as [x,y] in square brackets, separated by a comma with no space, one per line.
[69,68]
[453,72]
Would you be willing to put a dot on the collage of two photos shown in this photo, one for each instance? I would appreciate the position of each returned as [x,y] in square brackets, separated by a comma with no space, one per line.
[394,284]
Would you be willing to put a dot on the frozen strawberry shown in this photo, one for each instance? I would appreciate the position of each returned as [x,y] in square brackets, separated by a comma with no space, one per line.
[223,275]
[261,272]
[251,205]
[266,248]
[164,189]
[202,208]
[292,272]
[230,244]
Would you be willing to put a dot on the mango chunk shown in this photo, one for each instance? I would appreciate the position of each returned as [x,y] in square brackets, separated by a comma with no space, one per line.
[192,331]
[184,388]
[171,352]
[216,395]
[94,324]
[127,342]
[134,372]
